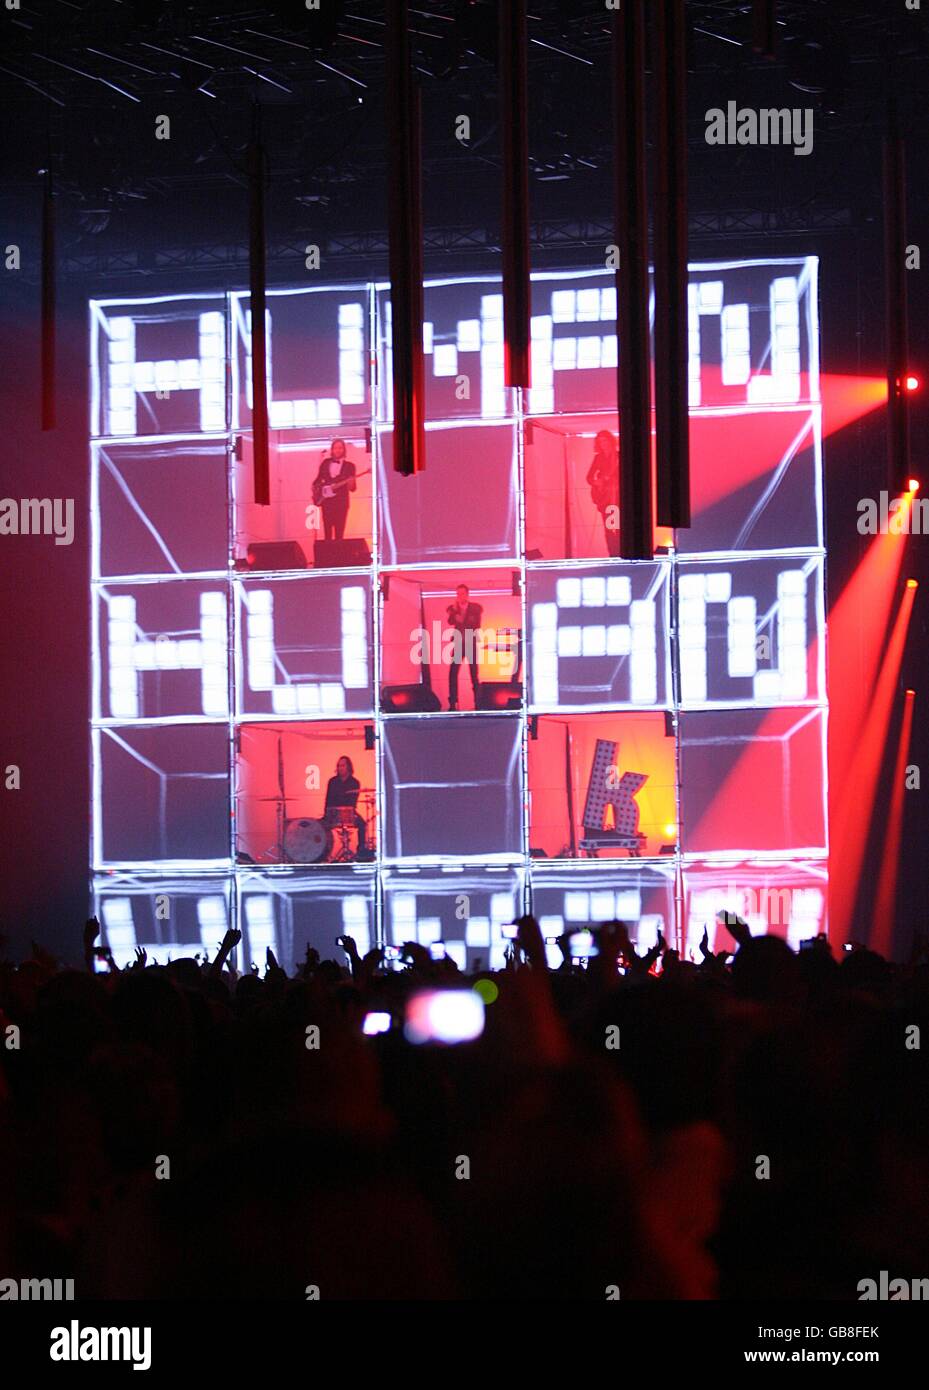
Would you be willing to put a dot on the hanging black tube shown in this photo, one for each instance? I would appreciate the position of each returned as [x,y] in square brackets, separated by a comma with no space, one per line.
[764,27]
[48,305]
[405,226]
[672,431]
[257,288]
[895,310]
[514,141]
[631,236]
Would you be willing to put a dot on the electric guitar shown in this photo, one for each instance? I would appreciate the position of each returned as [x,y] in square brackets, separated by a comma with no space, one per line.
[323,491]
[604,490]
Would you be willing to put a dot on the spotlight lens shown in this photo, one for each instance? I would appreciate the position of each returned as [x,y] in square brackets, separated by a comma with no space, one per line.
[912,383]
[914,485]
[912,583]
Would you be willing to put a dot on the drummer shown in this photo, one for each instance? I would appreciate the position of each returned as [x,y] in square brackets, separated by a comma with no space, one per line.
[342,790]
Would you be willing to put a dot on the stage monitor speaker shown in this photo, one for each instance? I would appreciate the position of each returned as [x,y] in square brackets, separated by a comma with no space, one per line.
[337,554]
[409,699]
[500,695]
[276,555]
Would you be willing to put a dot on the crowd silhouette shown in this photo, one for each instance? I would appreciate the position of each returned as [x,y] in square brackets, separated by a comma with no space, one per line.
[752,1125]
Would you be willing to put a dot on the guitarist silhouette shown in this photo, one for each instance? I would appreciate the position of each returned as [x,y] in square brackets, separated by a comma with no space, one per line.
[331,487]
[603,480]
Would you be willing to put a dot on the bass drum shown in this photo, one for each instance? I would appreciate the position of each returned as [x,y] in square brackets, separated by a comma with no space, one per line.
[305,841]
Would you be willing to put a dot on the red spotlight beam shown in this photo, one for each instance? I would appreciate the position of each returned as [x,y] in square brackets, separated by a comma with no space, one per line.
[852,821]
[882,935]
[858,624]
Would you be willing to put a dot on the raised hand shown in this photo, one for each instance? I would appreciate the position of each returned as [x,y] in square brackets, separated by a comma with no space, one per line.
[228,944]
[530,941]
[417,955]
[272,970]
[734,925]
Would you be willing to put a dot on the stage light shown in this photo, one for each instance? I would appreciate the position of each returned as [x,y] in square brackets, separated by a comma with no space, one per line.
[912,583]
[913,485]
[912,383]
[671,831]
[910,694]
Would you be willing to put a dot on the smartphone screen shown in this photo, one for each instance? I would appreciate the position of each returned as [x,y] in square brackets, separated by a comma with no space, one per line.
[377,1021]
[444,1016]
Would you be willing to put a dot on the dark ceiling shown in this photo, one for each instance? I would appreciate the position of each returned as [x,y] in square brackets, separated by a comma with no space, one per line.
[83,81]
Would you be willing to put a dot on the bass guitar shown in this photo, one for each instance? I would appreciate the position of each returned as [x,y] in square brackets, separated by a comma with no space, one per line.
[323,491]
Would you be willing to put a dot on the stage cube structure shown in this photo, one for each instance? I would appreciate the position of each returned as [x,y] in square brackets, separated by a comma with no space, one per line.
[648,737]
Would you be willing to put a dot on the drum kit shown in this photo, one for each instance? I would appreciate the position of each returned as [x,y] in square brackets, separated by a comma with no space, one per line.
[345,834]
[336,839]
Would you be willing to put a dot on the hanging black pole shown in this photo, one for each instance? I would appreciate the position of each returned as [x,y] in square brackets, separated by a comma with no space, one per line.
[631,237]
[48,305]
[514,140]
[895,306]
[672,427]
[257,298]
[405,219]
[764,27]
